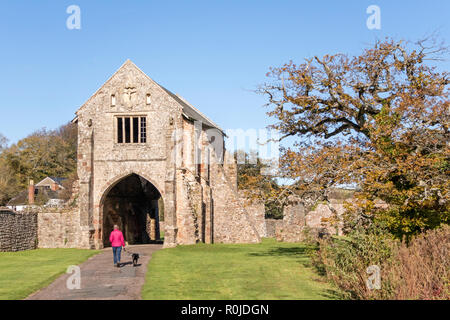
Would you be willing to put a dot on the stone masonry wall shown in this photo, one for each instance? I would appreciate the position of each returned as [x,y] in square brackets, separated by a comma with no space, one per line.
[18,231]
[320,220]
[59,230]
[271,227]
[294,222]
[256,211]
[232,223]
[322,217]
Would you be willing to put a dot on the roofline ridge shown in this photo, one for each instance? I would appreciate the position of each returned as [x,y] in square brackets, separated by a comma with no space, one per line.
[198,111]
[167,91]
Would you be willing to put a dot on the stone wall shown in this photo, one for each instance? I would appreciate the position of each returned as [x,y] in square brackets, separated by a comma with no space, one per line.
[59,230]
[291,229]
[256,212]
[271,227]
[324,218]
[232,223]
[18,231]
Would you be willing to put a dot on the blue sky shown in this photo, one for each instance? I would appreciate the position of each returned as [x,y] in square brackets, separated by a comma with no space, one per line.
[213,53]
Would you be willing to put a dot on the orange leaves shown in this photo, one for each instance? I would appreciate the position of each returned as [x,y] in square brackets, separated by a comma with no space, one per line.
[379,121]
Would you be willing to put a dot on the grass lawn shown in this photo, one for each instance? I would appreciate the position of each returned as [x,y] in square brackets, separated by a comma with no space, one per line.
[269,270]
[24,272]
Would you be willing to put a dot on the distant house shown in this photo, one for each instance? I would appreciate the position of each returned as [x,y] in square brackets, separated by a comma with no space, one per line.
[48,192]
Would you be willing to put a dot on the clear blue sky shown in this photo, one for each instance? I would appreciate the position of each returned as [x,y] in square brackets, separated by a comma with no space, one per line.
[213,53]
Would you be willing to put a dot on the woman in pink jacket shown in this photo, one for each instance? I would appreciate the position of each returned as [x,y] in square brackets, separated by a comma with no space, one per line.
[117,242]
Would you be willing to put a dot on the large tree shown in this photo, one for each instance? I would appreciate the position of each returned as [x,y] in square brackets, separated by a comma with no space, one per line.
[378,121]
[8,184]
[41,154]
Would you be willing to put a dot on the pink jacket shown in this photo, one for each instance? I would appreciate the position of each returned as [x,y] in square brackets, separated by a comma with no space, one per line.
[116,239]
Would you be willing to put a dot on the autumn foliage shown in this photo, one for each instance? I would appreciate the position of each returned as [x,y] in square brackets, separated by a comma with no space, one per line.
[378,121]
[41,154]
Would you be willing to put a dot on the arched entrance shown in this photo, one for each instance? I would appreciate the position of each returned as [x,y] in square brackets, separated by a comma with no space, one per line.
[134,204]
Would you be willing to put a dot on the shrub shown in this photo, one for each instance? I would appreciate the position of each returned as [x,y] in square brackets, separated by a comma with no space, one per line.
[422,269]
[344,260]
[418,270]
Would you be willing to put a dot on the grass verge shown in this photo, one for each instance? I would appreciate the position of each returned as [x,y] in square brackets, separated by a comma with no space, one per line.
[269,270]
[24,272]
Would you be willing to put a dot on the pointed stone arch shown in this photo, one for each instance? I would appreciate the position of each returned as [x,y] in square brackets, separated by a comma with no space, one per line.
[134,202]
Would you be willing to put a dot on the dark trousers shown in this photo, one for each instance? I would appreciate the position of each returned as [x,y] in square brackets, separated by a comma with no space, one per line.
[116,253]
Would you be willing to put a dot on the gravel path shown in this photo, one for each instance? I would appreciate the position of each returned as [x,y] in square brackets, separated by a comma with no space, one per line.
[100,280]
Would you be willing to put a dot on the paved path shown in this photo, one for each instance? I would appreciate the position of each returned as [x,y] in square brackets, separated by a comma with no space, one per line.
[100,280]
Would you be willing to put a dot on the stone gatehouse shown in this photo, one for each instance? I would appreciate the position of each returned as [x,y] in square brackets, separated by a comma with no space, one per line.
[143,150]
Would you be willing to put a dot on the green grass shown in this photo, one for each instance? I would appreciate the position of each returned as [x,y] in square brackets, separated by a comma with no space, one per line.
[269,270]
[24,272]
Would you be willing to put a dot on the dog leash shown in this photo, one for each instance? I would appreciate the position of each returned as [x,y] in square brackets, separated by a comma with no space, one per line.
[130,253]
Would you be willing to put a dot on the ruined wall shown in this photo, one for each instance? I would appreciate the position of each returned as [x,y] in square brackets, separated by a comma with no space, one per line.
[256,211]
[291,229]
[188,188]
[188,208]
[18,231]
[232,223]
[271,227]
[324,218]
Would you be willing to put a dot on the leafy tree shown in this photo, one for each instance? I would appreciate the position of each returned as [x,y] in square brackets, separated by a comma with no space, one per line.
[41,154]
[8,183]
[256,184]
[379,121]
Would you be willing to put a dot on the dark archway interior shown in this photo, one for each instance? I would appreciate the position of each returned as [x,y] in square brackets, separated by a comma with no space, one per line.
[133,204]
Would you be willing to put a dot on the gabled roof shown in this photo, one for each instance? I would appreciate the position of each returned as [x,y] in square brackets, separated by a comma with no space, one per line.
[56,180]
[189,110]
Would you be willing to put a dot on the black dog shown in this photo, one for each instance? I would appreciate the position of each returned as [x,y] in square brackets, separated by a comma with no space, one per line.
[135,259]
[134,256]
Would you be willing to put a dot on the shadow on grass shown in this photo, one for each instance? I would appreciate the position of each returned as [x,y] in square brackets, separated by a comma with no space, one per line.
[287,252]
[302,255]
